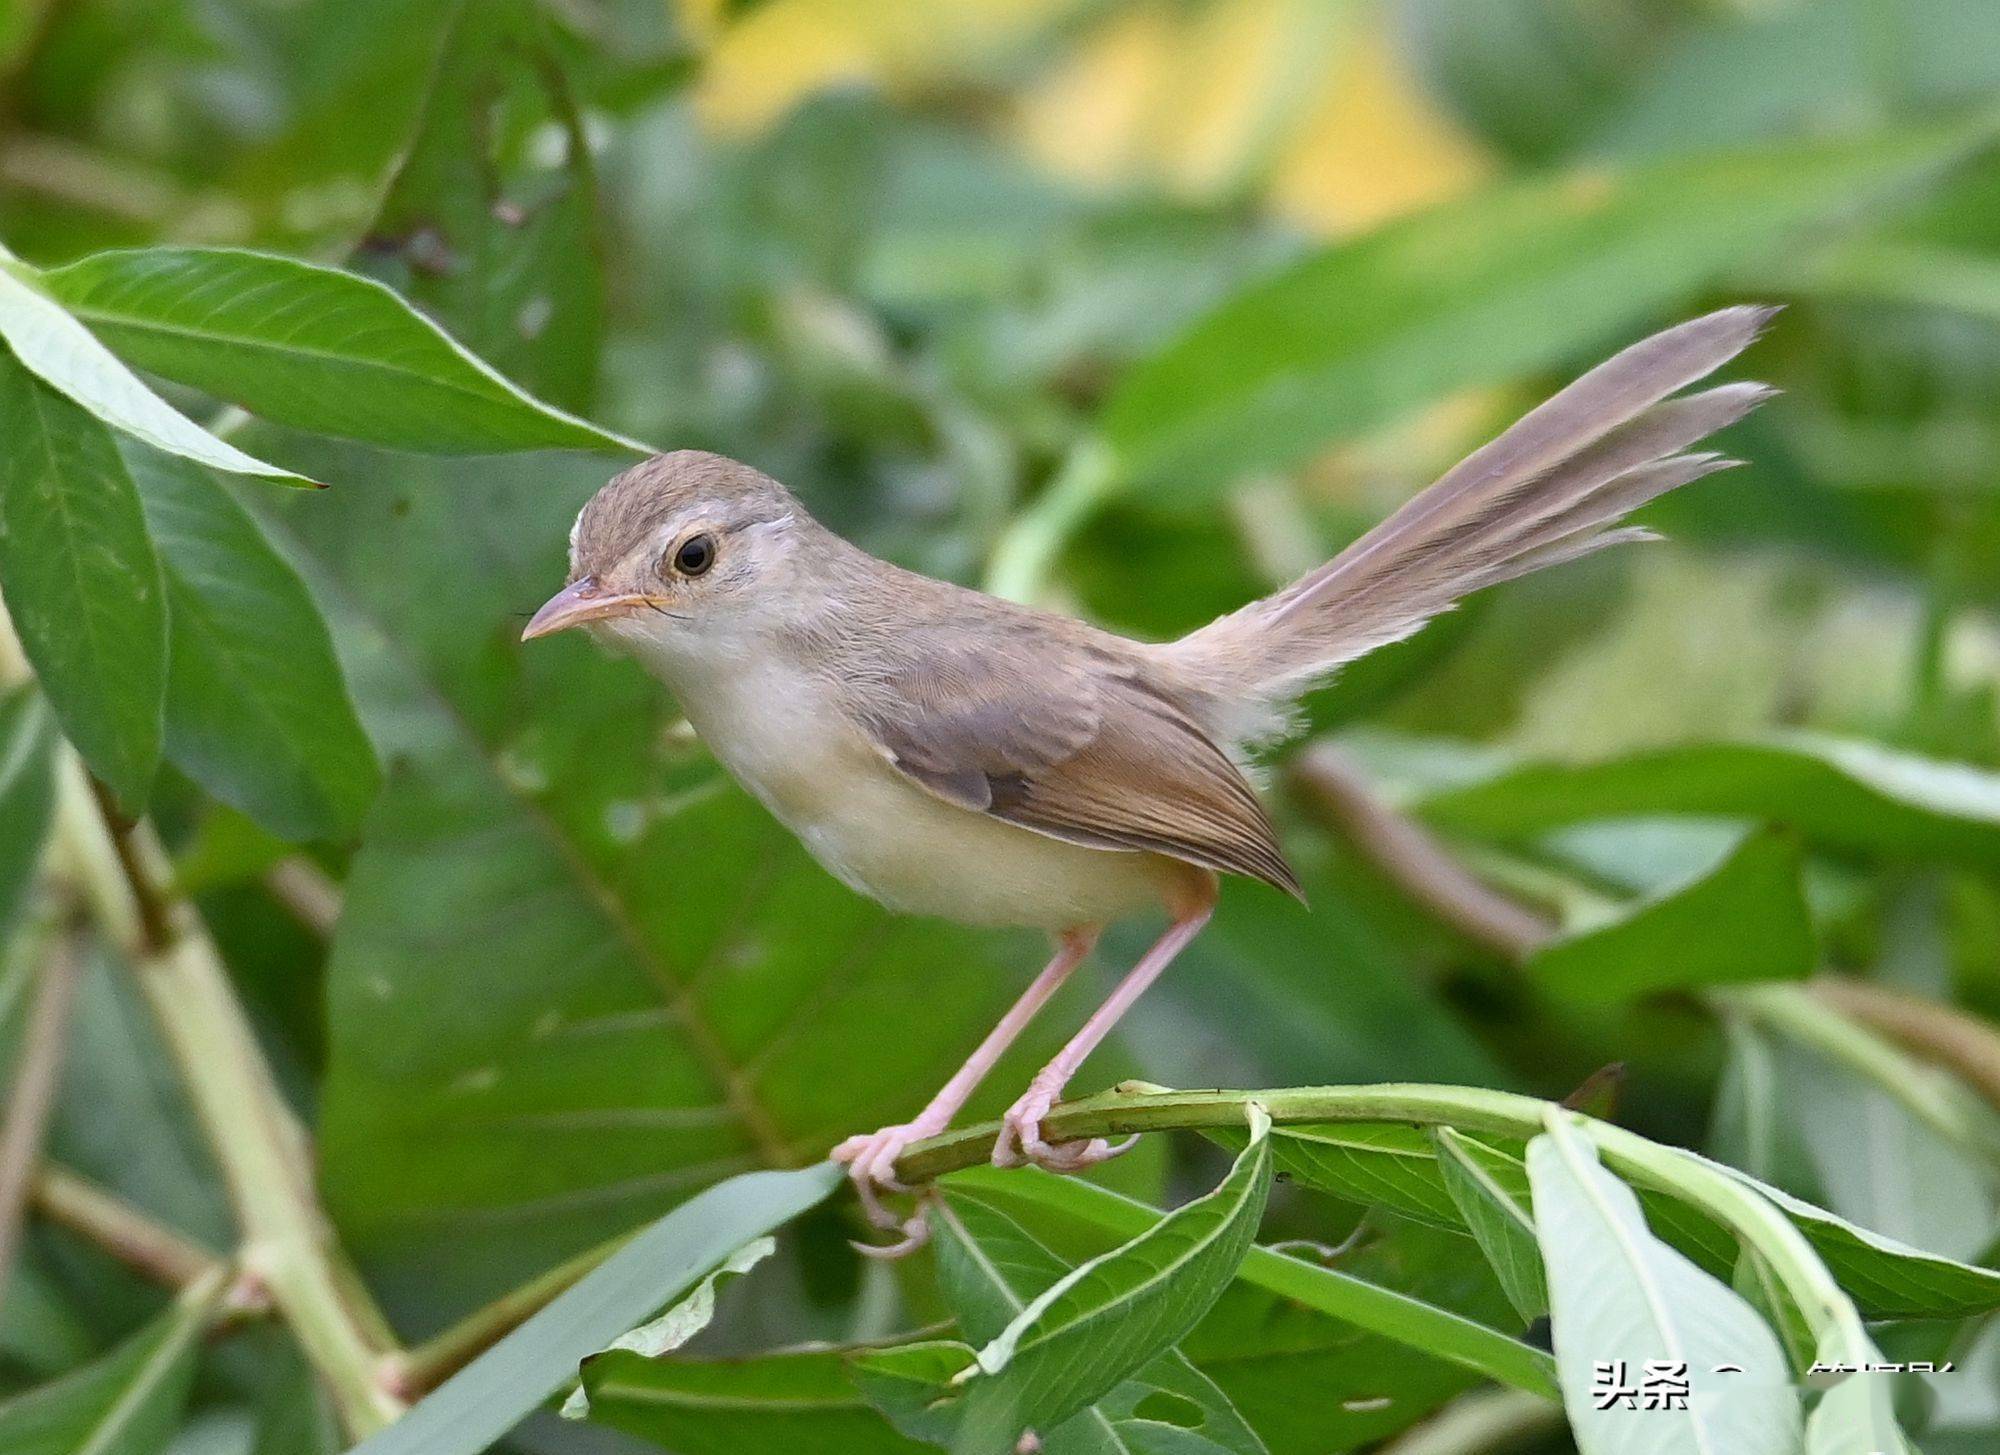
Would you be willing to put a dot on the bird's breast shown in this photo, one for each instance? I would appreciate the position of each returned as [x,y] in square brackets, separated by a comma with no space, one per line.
[786,739]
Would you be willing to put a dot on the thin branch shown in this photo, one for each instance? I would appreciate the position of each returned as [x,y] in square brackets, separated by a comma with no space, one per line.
[25,1120]
[416,1373]
[72,1201]
[1414,859]
[258,1142]
[1853,1022]
[305,889]
[1940,1033]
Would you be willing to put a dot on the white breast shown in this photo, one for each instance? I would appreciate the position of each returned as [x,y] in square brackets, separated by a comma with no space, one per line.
[778,734]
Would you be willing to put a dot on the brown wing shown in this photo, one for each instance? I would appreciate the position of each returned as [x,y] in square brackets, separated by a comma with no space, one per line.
[1076,746]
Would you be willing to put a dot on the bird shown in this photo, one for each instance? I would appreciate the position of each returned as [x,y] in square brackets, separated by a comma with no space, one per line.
[954,754]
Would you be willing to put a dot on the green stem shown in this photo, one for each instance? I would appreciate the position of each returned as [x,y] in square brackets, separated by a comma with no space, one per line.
[1945,1105]
[1027,549]
[24,1120]
[422,1369]
[259,1145]
[71,1201]
[1139,1108]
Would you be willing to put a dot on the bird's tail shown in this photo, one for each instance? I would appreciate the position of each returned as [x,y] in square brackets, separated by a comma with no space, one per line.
[1551,489]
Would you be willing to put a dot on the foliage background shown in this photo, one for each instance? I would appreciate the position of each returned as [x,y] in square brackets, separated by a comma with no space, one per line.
[1290,258]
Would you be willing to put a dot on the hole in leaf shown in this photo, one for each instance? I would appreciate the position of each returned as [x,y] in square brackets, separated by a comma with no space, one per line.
[1170,1409]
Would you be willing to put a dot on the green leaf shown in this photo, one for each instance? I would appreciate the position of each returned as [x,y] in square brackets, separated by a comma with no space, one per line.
[82,582]
[496,243]
[1436,1332]
[679,1323]
[489,1396]
[1387,1164]
[27,796]
[1843,793]
[1111,1316]
[991,1269]
[1744,918]
[127,1403]
[256,709]
[1499,1220]
[1476,292]
[64,355]
[313,348]
[1395,1166]
[1885,1277]
[802,1399]
[1621,1298]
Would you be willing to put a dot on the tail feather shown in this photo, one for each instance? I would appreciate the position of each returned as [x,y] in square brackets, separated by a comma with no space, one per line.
[1547,490]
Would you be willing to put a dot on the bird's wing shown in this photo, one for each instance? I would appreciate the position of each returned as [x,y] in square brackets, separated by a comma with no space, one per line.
[1073,744]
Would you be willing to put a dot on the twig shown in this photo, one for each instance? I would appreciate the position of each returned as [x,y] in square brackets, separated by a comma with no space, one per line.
[1940,1033]
[152,1249]
[417,1372]
[258,1143]
[305,889]
[1848,1021]
[25,1120]
[1415,860]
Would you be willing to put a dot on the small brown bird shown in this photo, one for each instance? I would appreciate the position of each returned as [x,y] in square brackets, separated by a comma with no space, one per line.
[953,754]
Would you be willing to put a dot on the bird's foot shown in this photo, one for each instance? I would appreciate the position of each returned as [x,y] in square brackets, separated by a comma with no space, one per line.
[870,1159]
[1021,1142]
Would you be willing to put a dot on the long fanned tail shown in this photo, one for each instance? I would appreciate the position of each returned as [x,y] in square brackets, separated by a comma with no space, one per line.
[1551,489]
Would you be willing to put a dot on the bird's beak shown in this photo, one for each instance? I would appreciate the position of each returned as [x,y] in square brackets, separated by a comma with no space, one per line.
[580,601]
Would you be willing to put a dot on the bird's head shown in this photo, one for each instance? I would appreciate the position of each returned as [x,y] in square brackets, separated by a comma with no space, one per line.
[686,545]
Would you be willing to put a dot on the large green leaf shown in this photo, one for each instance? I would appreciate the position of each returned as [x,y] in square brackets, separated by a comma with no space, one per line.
[991,1268]
[791,1400]
[1841,792]
[1475,292]
[127,1403]
[1110,1317]
[27,795]
[1630,1312]
[256,709]
[1498,1219]
[1376,1164]
[1436,1332]
[1885,1277]
[489,1396]
[81,581]
[311,347]
[1743,918]
[498,244]
[63,354]
[681,1322]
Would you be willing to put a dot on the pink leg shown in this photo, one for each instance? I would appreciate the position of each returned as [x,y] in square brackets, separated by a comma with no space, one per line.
[1021,1128]
[871,1158]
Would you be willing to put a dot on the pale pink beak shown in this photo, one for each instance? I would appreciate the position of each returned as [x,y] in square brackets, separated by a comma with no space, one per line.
[580,601]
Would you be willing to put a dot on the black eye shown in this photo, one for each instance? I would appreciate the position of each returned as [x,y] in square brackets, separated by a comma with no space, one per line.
[694,555]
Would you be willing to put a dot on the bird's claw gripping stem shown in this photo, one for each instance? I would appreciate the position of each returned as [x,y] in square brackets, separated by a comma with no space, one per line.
[1021,1143]
[871,1166]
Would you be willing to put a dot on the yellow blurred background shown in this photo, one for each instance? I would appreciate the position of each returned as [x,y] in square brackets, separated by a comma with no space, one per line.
[1303,103]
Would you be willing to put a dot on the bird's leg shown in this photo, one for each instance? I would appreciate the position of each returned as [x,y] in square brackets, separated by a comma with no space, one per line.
[871,1158]
[1021,1128]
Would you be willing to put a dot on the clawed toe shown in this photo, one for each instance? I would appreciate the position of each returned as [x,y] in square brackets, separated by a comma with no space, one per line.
[1021,1142]
[871,1166]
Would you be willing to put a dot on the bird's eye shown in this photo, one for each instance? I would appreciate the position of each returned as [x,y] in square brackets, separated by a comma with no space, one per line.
[694,555]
